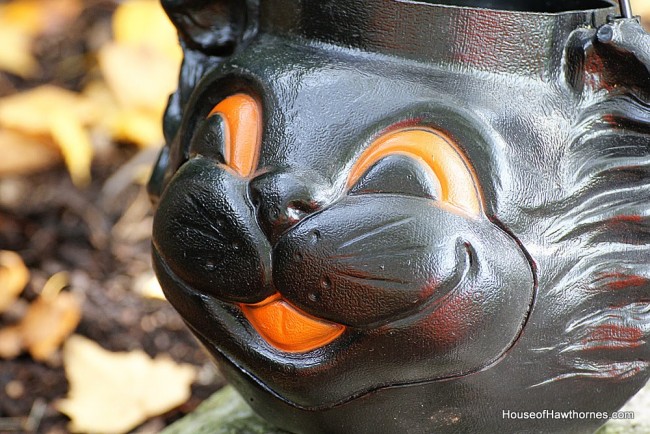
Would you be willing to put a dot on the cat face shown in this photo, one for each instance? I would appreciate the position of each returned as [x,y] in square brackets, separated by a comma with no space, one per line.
[325,223]
[403,216]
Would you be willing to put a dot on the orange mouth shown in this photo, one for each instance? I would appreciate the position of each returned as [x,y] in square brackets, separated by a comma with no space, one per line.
[287,328]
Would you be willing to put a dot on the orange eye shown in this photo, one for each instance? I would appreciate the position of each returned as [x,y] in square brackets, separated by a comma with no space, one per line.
[458,183]
[243,119]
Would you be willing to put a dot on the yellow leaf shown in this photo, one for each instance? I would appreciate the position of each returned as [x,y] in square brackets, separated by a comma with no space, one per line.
[138,76]
[50,319]
[11,342]
[59,114]
[21,21]
[75,144]
[115,392]
[141,80]
[39,16]
[141,69]
[15,51]
[138,126]
[142,127]
[25,153]
[25,15]
[147,286]
[141,23]
[32,111]
[14,275]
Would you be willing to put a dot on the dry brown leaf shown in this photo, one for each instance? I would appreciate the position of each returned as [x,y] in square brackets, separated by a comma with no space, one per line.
[14,276]
[25,153]
[115,392]
[50,319]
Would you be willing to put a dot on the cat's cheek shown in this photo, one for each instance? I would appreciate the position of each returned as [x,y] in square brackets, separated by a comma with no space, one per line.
[206,232]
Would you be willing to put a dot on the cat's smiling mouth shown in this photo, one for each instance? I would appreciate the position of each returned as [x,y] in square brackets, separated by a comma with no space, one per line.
[287,328]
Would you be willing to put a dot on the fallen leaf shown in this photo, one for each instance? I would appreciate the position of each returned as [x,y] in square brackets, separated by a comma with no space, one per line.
[33,111]
[144,23]
[115,392]
[36,17]
[26,153]
[139,127]
[25,15]
[59,114]
[21,21]
[54,286]
[141,69]
[147,286]
[16,51]
[73,139]
[11,342]
[139,76]
[50,319]
[14,276]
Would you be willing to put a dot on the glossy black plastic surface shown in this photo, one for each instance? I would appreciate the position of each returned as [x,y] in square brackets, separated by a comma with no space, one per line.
[537,299]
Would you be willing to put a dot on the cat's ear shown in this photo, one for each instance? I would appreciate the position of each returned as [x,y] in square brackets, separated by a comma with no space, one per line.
[213,27]
[614,58]
[209,31]
[628,38]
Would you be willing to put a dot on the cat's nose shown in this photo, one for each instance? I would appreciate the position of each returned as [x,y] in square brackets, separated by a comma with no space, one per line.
[283,199]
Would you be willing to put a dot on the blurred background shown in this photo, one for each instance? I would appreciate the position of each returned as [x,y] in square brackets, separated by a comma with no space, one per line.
[85,334]
[87,342]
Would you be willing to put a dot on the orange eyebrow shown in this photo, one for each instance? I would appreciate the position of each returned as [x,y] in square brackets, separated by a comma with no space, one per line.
[243,119]
[458,182]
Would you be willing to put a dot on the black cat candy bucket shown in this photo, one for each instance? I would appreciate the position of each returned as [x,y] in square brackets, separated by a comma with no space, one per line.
[401,216]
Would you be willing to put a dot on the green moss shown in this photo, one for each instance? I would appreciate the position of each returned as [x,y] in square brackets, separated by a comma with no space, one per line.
[640,405]
[225,412]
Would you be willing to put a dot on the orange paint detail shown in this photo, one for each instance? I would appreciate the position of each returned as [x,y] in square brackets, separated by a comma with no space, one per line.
[243,119]
[288,329]
[458,183]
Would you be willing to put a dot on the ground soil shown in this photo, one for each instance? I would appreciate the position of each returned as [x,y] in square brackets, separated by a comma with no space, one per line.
[56,227]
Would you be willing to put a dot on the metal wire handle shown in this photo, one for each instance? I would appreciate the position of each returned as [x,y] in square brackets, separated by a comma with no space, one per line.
[626,8]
